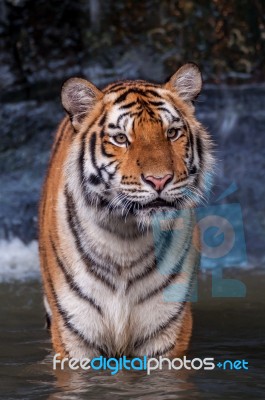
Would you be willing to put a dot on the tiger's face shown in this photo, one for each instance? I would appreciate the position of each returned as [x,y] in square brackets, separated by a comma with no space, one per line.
[141,148]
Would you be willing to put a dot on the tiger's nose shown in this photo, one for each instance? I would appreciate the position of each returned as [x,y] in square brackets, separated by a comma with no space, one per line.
[157,182]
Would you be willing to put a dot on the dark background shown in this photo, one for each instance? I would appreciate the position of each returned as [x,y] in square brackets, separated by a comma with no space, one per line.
[42,43]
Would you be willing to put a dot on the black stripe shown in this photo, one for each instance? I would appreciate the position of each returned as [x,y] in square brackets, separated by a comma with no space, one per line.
[150,250]
[141,276]
[101,202]
[110,163]
[157,103]
[81,157]
[110,174]
[131,104]
[165,110]
[199,148]
[162,327]
[133,124]
[191,138]
[93,155]
[200,152]
[124,84]
[174,272]
[74,225]
[71,282]
[92,142]
[49,282]
[103,119]
[124,95]
[140,341]
[118,89]
[117,86]
[122,116]
[191,141]
[67,324]
[103,150]
[165,241]
[153,93]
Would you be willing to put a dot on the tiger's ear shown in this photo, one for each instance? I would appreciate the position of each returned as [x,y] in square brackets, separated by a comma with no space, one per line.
[186,82]
[78,98]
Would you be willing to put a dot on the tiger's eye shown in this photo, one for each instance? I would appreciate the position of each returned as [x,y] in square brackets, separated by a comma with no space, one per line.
[173,133]
[121,138]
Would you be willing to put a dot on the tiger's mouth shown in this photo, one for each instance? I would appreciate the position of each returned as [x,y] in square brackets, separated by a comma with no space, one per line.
[157,207]
[150,208]
[158,204]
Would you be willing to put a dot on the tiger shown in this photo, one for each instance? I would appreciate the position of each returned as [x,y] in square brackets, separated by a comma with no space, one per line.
[126,160]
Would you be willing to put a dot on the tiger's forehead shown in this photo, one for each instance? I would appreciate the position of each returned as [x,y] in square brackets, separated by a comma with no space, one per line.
[132,103]
[120,92]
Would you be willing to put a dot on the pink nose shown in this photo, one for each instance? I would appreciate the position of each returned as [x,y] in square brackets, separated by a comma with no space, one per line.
[158,183]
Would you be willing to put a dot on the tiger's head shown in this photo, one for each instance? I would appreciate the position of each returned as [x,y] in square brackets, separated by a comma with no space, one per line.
[140,148]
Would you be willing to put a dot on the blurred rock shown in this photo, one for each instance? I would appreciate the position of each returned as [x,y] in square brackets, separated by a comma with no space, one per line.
[48,41]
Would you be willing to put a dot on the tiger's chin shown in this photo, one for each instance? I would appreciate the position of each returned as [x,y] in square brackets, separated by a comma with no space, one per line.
[158,210]
[142,215]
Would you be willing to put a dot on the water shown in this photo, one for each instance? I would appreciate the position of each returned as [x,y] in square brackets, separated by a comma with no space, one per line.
[223,329]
